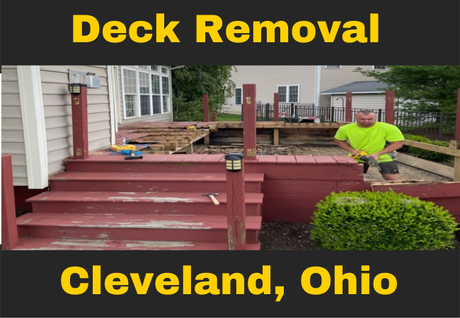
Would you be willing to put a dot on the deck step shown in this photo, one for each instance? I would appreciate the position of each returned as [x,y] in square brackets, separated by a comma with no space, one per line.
[144,227]
[138,202]
[145,182]
[86,244]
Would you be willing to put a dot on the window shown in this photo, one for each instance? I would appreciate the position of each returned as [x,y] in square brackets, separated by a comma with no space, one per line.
[379,67]
[289,93]
[238,94]
[146,90]
[332,66]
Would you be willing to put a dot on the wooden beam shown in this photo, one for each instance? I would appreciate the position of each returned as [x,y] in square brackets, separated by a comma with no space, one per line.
[80,124]
[9,226]
[457,120]
[249,122]
[348,106]
[440,149]
[236,208]
[454,144]
[390,107]
[276,137]
[205,107]
[276,107]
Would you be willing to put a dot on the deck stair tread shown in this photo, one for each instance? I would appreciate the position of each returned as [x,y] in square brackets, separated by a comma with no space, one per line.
[131,221]
[153,176]
[88,244]
[132,209]
[153,197]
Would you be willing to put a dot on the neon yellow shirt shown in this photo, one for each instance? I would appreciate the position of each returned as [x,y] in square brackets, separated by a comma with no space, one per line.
[370,140]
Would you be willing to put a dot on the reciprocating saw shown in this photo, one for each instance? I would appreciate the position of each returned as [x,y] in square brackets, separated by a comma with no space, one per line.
[370,161]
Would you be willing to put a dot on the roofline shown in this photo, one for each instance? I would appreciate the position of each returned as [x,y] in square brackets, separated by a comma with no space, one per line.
[364,92]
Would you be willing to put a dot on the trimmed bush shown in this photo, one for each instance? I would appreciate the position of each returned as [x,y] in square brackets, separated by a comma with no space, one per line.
[381,221]
[427,154]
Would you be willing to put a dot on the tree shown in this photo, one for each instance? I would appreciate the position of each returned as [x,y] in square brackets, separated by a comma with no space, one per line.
[190,82]
[422,87]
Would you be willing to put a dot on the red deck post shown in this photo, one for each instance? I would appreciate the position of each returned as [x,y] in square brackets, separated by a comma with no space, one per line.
[9,226]
[455,144]
[213,116]
[236,207]
[276,107]
[80,123]
[348,114]
[390,107]
[457,120]
[205,107]
[249,122]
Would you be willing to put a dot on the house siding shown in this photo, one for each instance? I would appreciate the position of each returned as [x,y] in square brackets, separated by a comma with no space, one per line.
[334,77]
[12,129]
[364,101]
[268,77]
[58,117]
[58,112]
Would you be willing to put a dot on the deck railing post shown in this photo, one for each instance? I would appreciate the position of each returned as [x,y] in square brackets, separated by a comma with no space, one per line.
[79,95]
[236,208]
[348,115]
[249,122]
[455,144]
[390,107]
[9,226]
[205,107]
[276,106]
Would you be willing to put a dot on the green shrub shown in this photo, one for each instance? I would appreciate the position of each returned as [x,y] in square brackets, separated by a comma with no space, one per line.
[381,221]
[427,154]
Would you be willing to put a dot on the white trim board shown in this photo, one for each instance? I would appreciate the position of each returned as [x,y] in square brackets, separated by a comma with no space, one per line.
[33,120]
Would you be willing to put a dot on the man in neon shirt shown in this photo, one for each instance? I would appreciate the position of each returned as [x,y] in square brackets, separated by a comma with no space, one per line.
[378,140]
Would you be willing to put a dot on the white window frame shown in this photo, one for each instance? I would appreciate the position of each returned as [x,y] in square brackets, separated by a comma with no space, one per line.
[288,97]
[240,89]
[333,66]
[163,72]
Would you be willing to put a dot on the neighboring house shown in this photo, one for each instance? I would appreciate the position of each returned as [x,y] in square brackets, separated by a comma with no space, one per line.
[294,83]
[37,119]
[366,94]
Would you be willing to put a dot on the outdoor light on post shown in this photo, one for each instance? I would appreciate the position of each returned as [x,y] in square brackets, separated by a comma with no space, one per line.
[75,88]
[234,162]
[236,207]
[79,96]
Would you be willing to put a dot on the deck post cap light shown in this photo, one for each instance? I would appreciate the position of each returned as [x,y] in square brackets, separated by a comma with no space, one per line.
[234,161]
[75,88]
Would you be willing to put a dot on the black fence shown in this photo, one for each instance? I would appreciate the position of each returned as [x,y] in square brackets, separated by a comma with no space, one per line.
[432,125]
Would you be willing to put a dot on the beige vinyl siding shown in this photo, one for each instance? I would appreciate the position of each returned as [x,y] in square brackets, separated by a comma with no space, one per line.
[12,130]
[362,101]
[58,112]
[267,78]
[335,77]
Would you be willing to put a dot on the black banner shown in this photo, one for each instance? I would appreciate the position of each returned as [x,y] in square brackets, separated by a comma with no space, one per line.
[207,32]
[207,284]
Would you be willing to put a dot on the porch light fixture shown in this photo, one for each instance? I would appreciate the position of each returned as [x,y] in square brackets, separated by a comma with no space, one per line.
[234,161]
[75,88]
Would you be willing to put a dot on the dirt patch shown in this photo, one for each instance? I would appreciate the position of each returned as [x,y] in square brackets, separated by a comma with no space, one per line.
[296,236]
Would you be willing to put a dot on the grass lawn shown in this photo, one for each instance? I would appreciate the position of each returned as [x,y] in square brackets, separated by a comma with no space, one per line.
[228,117]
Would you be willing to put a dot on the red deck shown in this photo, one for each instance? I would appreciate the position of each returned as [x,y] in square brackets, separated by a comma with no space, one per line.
[106,202]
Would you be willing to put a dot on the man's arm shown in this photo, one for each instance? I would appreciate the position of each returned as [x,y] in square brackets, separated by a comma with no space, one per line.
[345,145]
[394,145]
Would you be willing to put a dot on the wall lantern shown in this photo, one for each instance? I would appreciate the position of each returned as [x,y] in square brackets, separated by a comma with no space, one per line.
[75,88]
[234,161]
